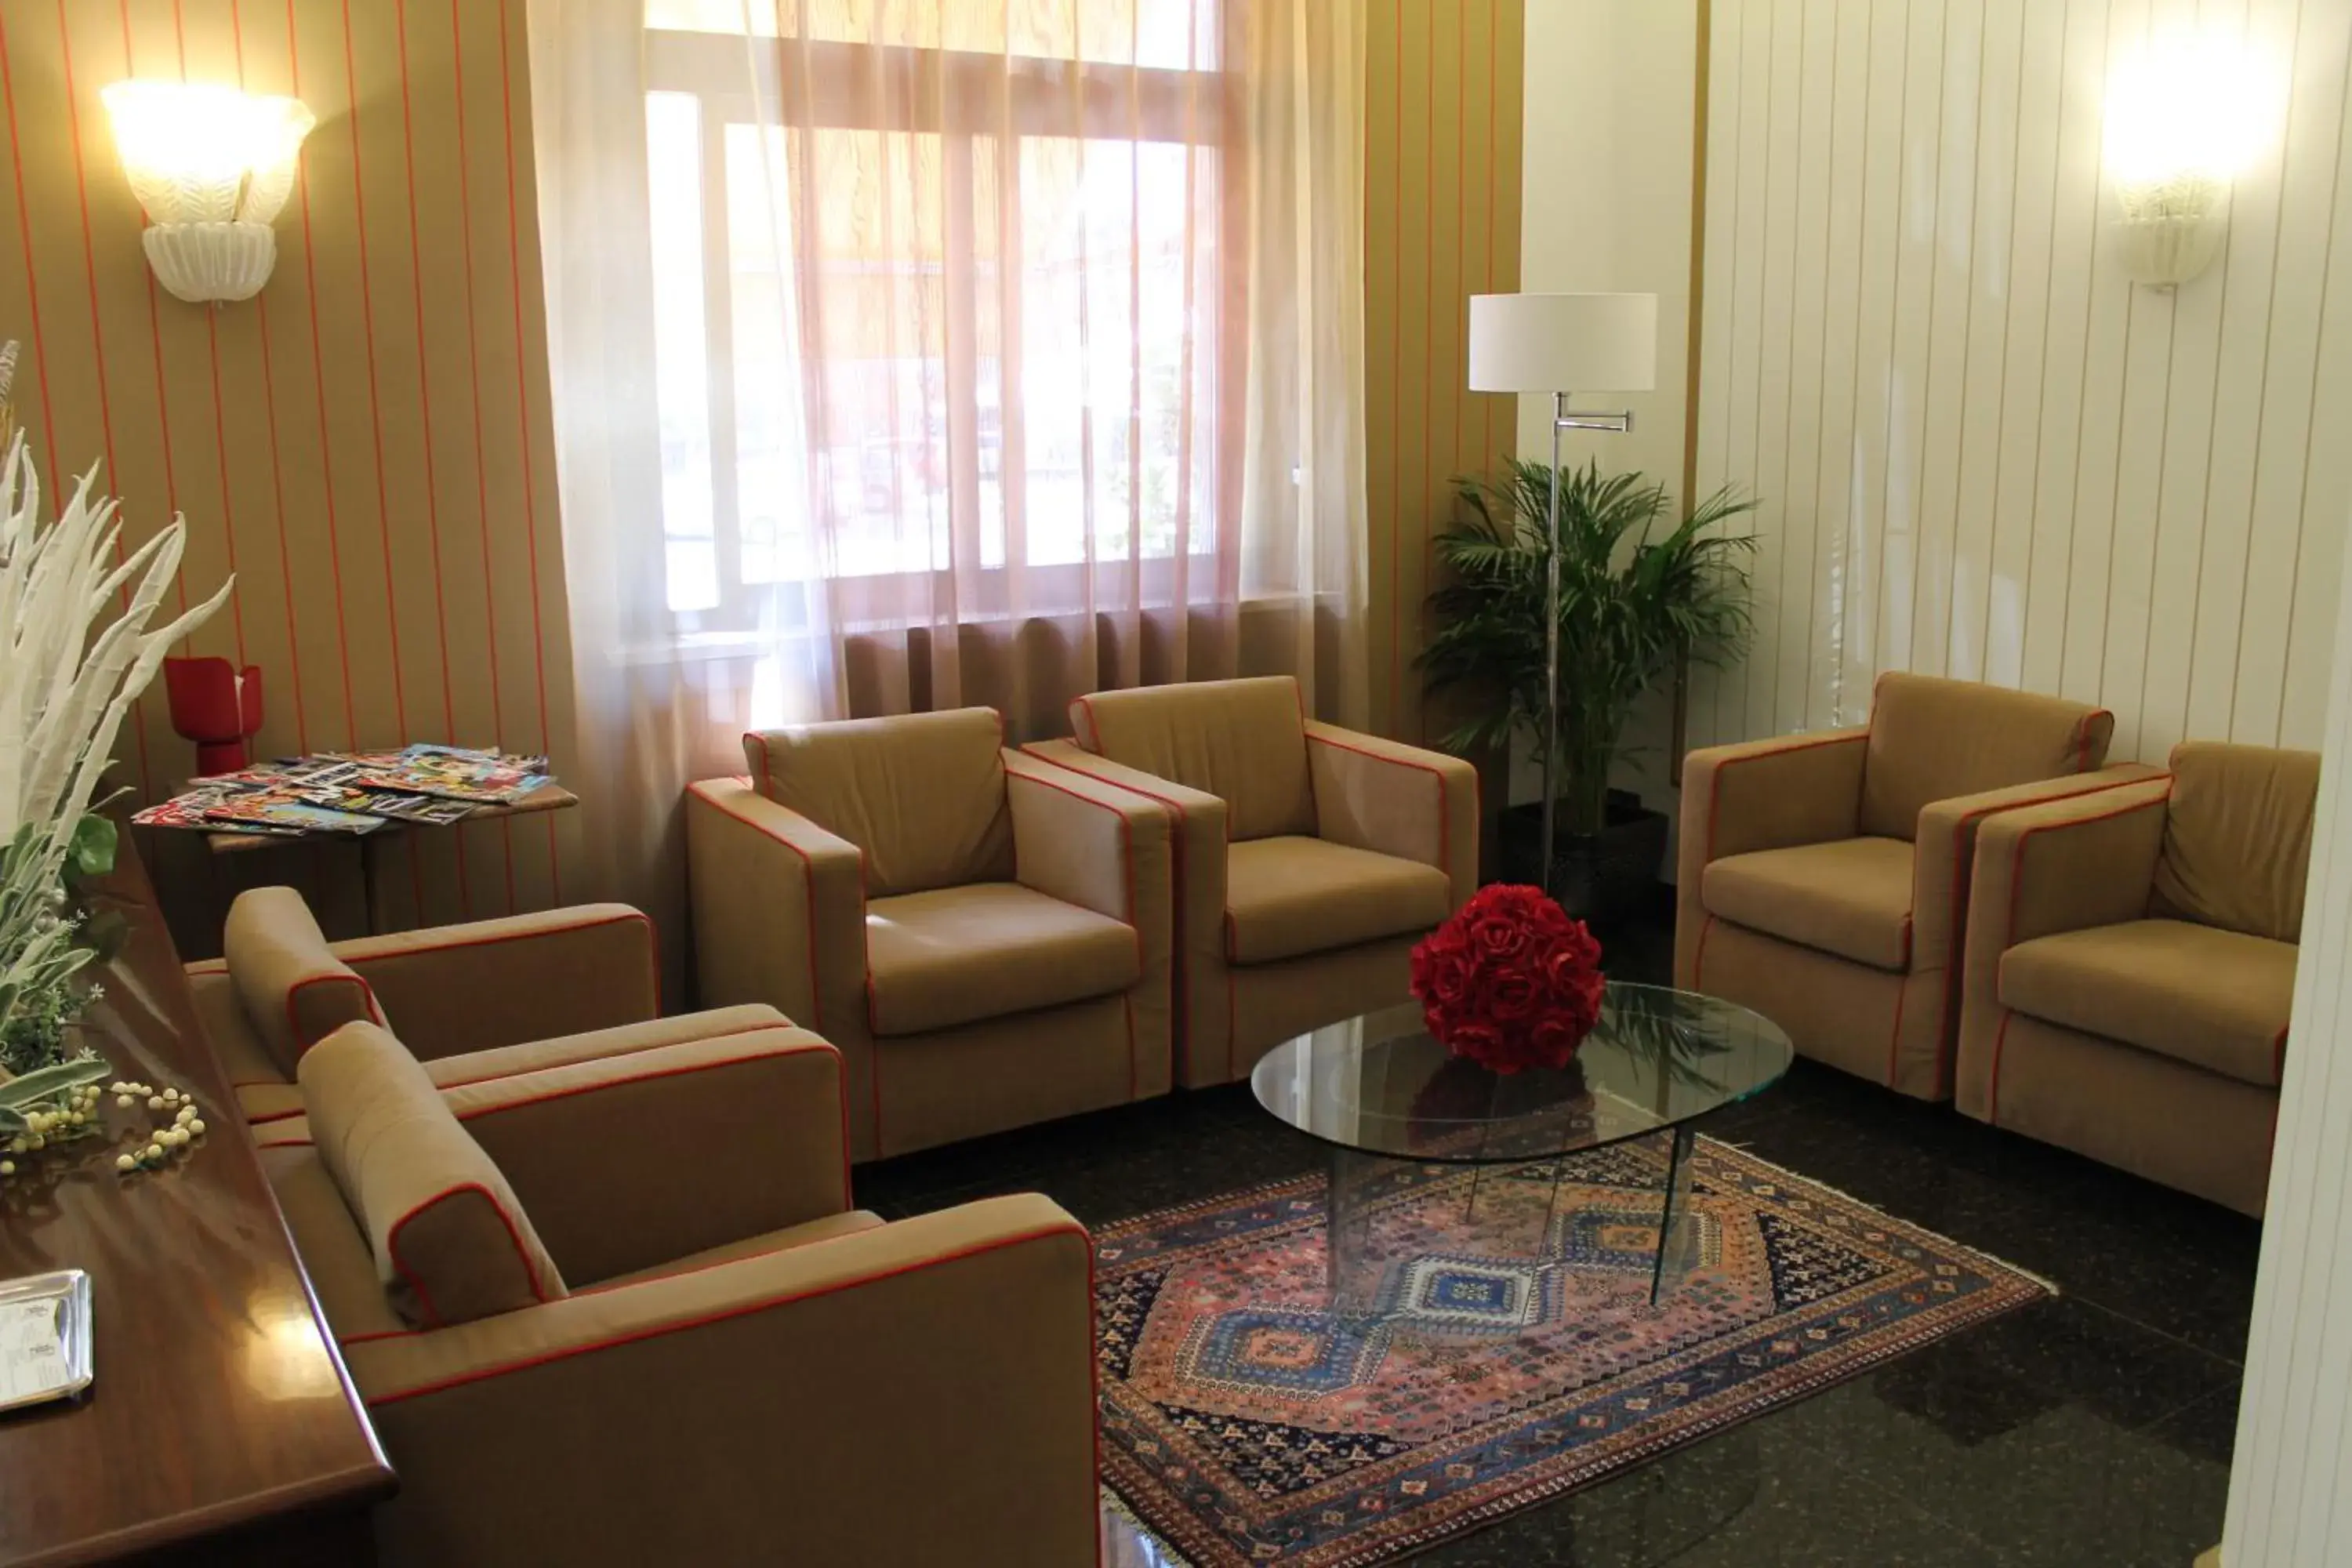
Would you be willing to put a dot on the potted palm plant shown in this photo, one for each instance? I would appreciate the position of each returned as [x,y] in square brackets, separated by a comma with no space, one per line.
[1633,609]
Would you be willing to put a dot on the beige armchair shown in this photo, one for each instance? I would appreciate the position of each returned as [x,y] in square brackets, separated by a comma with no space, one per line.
[619,1311]
[984,937]
[534,987]
[1309,859]
[1822,880]
[2131,965]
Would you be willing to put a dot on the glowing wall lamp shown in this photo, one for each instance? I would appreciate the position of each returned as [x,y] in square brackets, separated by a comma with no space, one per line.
[212,166]
[2184,116]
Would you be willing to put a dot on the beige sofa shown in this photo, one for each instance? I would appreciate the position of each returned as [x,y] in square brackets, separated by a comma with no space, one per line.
[533,987]
[987,938]
[619,1311]
[1309,859]
[1822,880]
[2131,965]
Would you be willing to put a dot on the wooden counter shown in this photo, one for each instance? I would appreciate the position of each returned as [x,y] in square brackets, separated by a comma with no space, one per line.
[221,1423]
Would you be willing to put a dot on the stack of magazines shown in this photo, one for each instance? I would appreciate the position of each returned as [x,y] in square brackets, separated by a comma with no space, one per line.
[352,793]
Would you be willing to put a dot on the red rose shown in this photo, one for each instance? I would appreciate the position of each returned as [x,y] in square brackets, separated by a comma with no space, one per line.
[1554,1040]
[1499,936]
[1442,968]
[1513,996]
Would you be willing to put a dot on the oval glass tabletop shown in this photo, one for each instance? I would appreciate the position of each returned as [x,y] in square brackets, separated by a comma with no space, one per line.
[1381,1085]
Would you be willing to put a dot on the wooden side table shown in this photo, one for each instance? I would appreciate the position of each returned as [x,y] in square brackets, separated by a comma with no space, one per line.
[546,797]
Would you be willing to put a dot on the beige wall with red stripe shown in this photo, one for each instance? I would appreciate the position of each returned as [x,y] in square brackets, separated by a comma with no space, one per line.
[365,445]
[1443,97]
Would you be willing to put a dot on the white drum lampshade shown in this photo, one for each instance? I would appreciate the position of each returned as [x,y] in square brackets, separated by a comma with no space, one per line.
[1563,342]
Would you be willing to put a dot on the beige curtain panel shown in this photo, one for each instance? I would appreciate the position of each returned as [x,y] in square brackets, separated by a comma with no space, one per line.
[916,354]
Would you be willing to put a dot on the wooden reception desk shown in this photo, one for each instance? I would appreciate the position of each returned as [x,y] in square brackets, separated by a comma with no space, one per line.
[220,1427]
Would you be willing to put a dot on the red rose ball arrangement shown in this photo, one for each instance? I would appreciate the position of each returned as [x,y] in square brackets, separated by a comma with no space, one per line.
[1511,981]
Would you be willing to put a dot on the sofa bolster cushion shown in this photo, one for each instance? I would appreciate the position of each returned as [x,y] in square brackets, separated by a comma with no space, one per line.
[2211,998]
[295,990]
[451,1242]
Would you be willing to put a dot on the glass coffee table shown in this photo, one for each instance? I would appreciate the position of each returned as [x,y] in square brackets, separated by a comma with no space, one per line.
[1397,1110]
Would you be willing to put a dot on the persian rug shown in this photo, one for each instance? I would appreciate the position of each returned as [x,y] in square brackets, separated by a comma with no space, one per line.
[1245,1425]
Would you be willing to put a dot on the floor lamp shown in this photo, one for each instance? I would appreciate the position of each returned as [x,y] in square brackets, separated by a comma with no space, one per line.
[1552,342]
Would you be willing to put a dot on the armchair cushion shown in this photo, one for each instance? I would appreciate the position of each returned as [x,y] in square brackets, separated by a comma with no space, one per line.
[1851,897]
[1243,740]
[2215,999]
[451,1242]
[953,955]
[2237,839]
[1289,896]
[923,795]
[1931,739]
[294,990]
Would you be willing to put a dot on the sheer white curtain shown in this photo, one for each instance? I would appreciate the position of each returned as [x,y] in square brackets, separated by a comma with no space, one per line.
[909,353]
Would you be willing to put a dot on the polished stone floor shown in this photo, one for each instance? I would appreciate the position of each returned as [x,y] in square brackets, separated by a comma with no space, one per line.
[2087,1431]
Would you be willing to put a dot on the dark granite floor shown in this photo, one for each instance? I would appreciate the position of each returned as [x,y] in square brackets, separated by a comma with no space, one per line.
[2087,1431]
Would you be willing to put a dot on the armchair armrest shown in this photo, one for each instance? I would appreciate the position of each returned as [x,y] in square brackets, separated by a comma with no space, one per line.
[1772,794]
[862,1399]
[1089,843]
[779,909]
[589,1148]
[1945,851]
[453,989]
[2067,865]
[1197,837]
[1399,800]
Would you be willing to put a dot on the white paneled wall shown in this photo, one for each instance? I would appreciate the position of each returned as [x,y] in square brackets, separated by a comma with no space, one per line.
[1982,451]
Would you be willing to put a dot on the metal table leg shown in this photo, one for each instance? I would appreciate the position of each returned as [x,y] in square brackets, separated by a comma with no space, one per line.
[1677,1224]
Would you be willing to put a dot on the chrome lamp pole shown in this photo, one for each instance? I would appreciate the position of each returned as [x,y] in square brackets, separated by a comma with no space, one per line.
[1542,343]
[1561,422]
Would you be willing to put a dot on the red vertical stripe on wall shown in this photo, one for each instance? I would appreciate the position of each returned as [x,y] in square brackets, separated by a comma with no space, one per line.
[97,359]
[319,387]
[425,423]
[522,413]
[155,336]
[25,237]
[473,380]
[277,469]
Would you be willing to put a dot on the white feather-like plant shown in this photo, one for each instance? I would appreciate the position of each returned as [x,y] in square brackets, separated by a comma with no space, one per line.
[68,673]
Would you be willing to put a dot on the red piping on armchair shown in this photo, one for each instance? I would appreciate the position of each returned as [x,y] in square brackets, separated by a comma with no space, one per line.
[1134,916]
[392,1245]
[2009,936]
[746,1308]
[653,944]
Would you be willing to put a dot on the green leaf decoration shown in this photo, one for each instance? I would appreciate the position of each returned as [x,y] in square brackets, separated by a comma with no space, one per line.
[46,1082]
[91,853]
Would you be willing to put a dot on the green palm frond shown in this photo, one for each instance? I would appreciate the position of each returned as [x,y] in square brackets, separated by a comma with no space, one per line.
[1632,608]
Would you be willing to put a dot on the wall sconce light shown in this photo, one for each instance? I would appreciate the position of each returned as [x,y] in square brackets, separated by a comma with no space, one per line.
[2183,117]
[212,167]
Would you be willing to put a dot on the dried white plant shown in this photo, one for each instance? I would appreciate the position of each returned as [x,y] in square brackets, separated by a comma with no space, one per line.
[68,673]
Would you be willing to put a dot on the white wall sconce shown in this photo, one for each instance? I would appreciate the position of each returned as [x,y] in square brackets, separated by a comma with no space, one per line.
[212,167]
[2184,116]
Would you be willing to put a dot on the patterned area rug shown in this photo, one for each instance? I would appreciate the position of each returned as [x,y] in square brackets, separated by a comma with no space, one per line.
[1246,1425]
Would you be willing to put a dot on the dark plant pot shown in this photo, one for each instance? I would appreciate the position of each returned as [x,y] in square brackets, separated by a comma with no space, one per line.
[1603,878]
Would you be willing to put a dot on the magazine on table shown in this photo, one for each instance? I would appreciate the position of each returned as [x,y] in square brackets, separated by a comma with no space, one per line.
[354,793]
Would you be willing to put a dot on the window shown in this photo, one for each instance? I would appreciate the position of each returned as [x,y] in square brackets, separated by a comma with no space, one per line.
[943,301]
